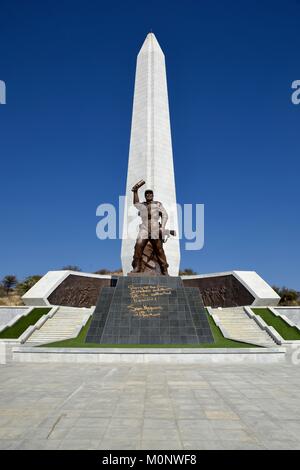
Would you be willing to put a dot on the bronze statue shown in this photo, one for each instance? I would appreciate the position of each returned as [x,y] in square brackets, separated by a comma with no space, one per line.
[151,230]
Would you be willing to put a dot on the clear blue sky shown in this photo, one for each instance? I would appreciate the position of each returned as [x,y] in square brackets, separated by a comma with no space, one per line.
[64,133]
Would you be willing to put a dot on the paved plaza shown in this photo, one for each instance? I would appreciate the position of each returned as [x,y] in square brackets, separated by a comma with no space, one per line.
[57,406]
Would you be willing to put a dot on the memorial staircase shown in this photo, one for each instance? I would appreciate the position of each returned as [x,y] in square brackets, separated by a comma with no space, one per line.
[65,323]
[240,327]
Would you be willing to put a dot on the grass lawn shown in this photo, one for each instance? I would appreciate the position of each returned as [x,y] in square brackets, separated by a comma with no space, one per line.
[79,341]
[23,323]
[284,329]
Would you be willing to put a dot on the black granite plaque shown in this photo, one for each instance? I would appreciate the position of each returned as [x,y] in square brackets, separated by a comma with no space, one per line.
[149,310]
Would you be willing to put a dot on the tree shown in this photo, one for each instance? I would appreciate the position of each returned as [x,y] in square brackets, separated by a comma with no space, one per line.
[118,271]
[2,290]
[187,272]
[70,267]
[102,271]
[9,282]
[287,296]
[28,283]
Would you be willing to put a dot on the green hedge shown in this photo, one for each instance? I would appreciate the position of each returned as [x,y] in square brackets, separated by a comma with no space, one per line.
[286,331]
[14,331]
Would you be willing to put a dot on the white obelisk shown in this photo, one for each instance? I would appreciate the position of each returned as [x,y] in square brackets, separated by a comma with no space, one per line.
[150,152]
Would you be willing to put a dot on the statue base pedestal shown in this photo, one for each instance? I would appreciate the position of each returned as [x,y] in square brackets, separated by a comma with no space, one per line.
[143,309]
[146,274]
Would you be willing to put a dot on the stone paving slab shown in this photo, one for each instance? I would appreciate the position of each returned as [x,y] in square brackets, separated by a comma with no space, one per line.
[57,406]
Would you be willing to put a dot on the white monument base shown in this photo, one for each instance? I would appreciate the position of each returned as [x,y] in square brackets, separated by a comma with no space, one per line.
[39,293]
[261,293]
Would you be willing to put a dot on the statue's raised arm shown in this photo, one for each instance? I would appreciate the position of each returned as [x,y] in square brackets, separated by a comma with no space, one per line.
[135,189]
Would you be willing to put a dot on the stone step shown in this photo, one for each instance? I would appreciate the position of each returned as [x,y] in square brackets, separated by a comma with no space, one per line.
[241,327]
[62,325]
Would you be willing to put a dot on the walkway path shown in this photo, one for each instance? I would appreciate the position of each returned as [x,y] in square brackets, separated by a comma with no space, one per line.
[54,406]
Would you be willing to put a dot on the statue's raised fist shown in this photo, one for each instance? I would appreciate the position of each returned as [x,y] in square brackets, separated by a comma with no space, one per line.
[138,185]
